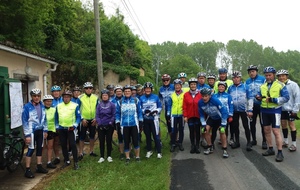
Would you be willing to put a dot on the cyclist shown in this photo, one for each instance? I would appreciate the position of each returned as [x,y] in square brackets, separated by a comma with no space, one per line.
[67,120]
[272,95]
[227,102]
[223,77]
[88,107]
[55,92]
[191,114]
[105,116]
[165,92]
[134,91]
[111,89]
[289,109]
[35,130]
[254,82]
[185,85]
[211,79]
[119,96]
[243,107]
[216,118]
[201,76]
[139,90]
[129,118]
[177,122]
[50,115]
[75,99]
[151,108]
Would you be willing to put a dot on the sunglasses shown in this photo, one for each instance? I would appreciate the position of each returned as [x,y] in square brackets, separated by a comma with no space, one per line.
[166,80]
[89,88]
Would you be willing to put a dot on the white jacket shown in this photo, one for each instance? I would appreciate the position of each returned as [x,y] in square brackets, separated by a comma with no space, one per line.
[294,103]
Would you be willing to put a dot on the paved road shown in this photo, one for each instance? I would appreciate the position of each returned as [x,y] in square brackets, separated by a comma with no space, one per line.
[242,170]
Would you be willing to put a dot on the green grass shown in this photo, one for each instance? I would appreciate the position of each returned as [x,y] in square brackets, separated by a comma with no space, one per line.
[148,174]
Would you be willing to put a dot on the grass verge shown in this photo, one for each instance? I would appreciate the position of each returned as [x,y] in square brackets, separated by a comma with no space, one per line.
[150,173]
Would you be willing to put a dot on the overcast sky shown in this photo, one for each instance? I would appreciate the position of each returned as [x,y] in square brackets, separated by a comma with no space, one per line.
[270,23]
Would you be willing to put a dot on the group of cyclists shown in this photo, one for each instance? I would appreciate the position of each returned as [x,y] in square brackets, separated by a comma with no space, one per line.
[205,103]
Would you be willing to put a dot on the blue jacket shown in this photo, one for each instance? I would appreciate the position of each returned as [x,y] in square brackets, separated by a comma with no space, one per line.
[226,100]
[165,96]
[151,103]
[31,121]
[199,86]
[254,87]
[213,109]
[241,98]
[129,112]
[56,101]
[76,100]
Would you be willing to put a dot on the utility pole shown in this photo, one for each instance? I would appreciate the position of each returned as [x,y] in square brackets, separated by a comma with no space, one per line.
[98,46]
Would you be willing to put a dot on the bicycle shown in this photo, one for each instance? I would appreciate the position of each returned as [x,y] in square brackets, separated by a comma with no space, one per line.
[11,152]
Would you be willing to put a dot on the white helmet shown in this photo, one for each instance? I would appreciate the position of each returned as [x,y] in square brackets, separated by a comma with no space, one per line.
[88,84]
[47,97]
[35,91]
[282,72]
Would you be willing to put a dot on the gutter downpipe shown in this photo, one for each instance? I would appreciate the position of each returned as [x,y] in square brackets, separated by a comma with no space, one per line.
[45,76]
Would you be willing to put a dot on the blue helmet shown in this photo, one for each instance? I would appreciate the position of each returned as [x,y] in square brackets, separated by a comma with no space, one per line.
[55,88]
[223,70]
[205,91]
[182,75]
[269,70]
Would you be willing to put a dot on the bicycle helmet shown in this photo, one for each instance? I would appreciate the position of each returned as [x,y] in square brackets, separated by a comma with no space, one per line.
[201,74]
[252,67]
[193,80]
[205,91]
[104,91]
[148,85]
[35,91]
[282,72]
[236,74]
[223,70]
[165,77]
[88,85]
[211,76]
[133,87]
[182,75]
[269,69]
[47,97]
[110,86]
[177,81]
[55,88]
[67,92]
[127,86]
[223,83]
[118,87]
[138,86]
[76,88]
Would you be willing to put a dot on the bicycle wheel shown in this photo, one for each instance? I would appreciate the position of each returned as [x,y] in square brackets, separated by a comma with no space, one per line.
[15,154]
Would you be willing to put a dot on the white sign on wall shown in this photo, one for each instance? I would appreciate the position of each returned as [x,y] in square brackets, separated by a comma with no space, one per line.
[16,104]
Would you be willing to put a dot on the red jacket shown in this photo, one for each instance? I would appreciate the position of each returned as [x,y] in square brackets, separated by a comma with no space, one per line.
[190,105]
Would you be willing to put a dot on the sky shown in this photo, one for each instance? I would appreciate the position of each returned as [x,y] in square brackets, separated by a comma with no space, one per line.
[269,23]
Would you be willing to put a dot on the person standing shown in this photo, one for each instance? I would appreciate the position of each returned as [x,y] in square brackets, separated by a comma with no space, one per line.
[211,80]
[50,115]
[289,109]
[273,94]
[55,92]
[177,122]
[35,131]
[213,116]
[165,92]
[191,114]
[223,77]
[151,108]
[111,89]
[88,107]
[201,77]
[68,117]
[185,85]
[254,82]
[129,118]
[243,107]
[105,117]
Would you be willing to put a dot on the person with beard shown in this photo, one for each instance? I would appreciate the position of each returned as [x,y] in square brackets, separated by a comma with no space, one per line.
[273,94]
[191,114]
